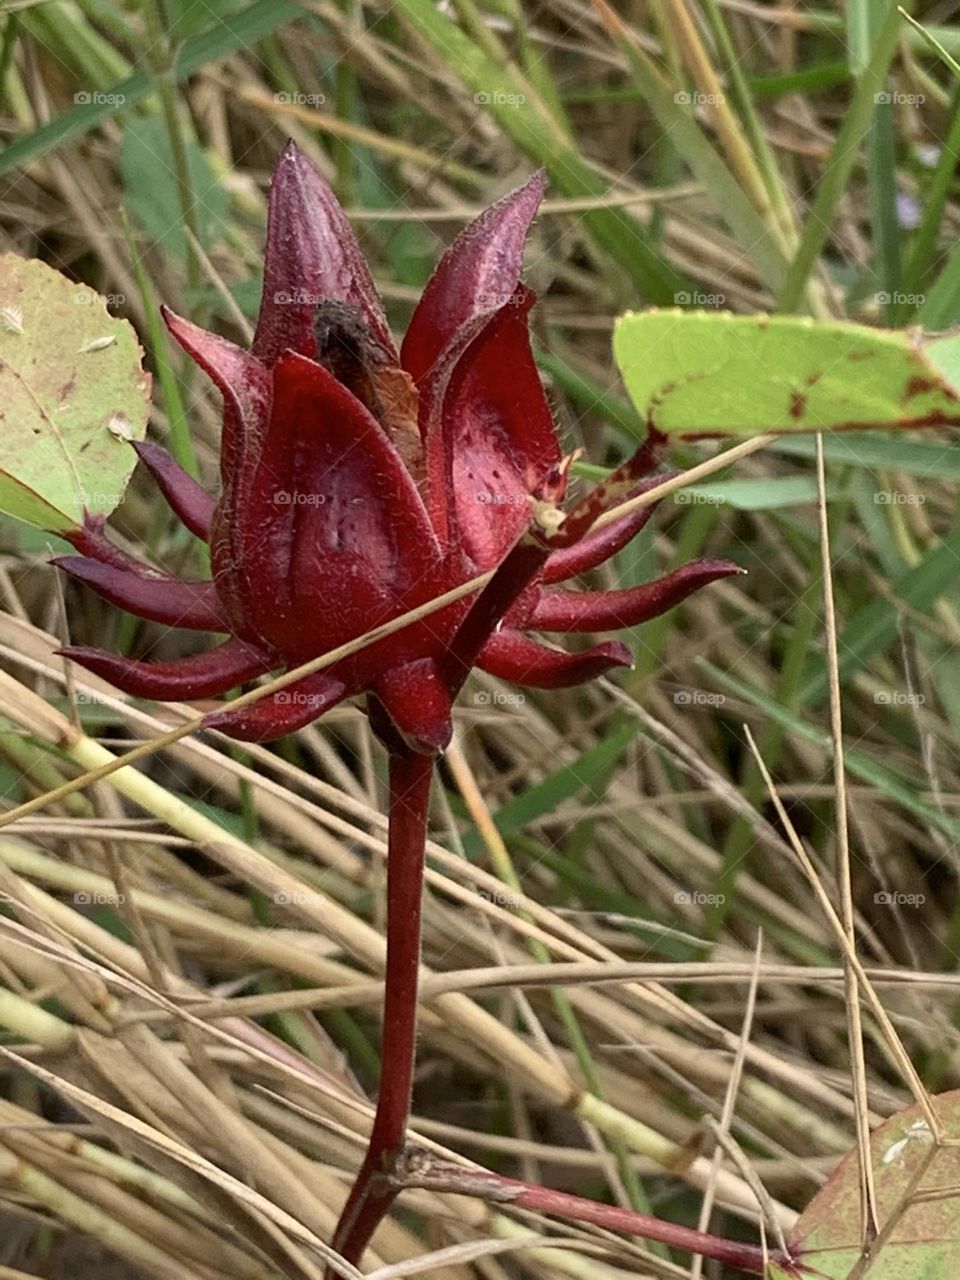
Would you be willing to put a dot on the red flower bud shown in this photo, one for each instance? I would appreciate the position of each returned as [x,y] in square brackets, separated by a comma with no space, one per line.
[359,483]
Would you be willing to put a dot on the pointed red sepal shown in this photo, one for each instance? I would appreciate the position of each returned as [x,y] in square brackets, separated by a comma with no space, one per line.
[332,523]
[186,498]
[595,548]
[515,657]
[478,273]
[149,594]
[90,539]
[205,675]
[497,436]
[611,610]
[311,255]
[242,380]
[417,703]
[280,713]
[489,436]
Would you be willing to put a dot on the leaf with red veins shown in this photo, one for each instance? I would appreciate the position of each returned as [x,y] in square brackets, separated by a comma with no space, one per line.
[493,443]
[205,675]
[416,700]
[332,516]
[311,255]
[285,711]
[242,380]
[595,548]
[611,610]
[515,657]
[186,497]
[478,273]
[149,594]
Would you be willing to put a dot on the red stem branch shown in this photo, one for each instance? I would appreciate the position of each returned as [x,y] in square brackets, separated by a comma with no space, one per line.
[372,1194]
[420,1169]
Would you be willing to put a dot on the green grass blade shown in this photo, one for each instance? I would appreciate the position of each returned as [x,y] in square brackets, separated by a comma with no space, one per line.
[925,246]
[518,109]
[901,790]
[244,29]
[874,627]
[878,451]
[558,786]
[842,160]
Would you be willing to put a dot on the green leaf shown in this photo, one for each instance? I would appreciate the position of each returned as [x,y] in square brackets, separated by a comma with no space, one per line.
[149,177]
[72,393]
[713,373]
[929,38]
[917,1200]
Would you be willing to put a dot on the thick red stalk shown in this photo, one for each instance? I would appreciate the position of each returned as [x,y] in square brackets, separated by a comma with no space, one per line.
[372,1193]
[420,1169]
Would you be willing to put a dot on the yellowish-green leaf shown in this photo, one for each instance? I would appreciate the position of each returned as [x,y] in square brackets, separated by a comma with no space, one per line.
[918,1203]
[712,373]
[73,394]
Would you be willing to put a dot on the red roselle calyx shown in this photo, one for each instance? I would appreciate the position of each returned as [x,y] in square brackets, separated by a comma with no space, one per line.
[359,482]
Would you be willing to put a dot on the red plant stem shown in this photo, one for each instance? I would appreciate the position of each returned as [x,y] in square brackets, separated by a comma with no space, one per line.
[420,1169]
[372,1194]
